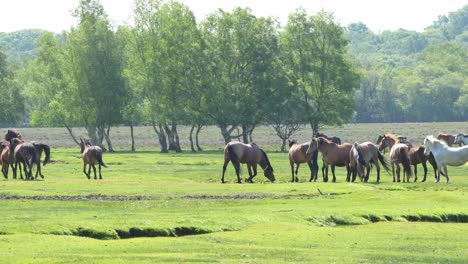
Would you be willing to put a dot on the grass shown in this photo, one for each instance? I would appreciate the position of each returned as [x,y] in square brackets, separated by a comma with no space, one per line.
[160,208]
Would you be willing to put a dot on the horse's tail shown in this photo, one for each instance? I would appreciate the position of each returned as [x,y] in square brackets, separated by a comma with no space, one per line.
[405,161]
[46,149]
[361,160]
[383,161]
[233,157]
[99,159]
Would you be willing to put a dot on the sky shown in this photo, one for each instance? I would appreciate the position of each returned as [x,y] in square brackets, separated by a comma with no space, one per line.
[378,15]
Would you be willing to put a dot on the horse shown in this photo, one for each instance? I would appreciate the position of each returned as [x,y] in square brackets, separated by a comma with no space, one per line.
[332,154]
[4,157]
[445,155]
[39,148]
[335,139]
[449,139]
[461,139]
[297,155]
[402,139]
[91,155]
[23,153]
[13,133]
[398,154]
[251,154]
[361,155]
[416,156]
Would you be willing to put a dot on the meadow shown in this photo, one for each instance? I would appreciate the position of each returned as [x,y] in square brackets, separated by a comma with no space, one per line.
[160,208]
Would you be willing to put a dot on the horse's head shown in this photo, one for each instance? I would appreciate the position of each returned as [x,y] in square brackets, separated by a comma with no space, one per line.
[15,142]
[387,141]
[428,144]
[292,142]
[313,146]
[268,173]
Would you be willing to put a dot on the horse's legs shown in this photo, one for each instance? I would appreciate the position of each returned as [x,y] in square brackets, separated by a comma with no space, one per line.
[249,168]
[393,171]
[13,169]
[333,172]
[348,172]
[425,171]
[311,167]
[100,176]
[94,170]
[292,171]
[377,167]
[446,173]
[398,172]
[325,172]
[297,171]
[224,170]
[84,170]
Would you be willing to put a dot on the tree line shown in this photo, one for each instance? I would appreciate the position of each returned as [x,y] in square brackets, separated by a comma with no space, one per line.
[233,70]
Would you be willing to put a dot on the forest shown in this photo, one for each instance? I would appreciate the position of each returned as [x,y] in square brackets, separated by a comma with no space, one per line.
[233,70]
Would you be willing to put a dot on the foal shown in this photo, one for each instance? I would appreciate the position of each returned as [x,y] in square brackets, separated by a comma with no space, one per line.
[91,155]
[297,155]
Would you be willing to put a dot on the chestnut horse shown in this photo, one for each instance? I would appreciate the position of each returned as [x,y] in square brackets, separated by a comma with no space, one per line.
[449,139]
[398,154]
[297,155]
[91,155]
[251,154]
[416,156]
[361,155]
[25,154]
[4,158]
[332,154]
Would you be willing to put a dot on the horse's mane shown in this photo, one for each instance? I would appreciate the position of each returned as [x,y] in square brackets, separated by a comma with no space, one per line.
[266,159]
[292,142]
[393,137]
[326,140]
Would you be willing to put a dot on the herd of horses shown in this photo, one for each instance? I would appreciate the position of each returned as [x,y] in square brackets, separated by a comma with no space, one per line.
[15,152]
[357,158]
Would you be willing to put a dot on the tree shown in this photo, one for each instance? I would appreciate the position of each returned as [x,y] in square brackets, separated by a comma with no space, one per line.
[318,68]
[11,100]
[96,71]
[241,48]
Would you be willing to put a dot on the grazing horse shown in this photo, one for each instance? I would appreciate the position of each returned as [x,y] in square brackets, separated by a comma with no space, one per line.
[39,147]
[297,155]
[445,155]
[449,139]
[332,154]
[398,154]
[461,139]
[91,155]
[416,156]
[252,154]
[361,155]
[23,153]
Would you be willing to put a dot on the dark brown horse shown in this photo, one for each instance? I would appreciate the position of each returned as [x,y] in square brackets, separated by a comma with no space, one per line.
[297,155]
[416,155]
[332,154]
[40,148]
[362,155]
[25,154]
[449,139]
[251,154]
[91,155]
[398,154]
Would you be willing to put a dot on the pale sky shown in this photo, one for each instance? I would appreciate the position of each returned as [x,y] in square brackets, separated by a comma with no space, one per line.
[378,15]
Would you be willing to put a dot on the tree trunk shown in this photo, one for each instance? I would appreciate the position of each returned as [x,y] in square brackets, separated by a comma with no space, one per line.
[315,128]
[108,140]
[173,137]
[283,145]
[226,134]
[196,137]
[70,131]
[245,134]
[133,138]
[170,138]
[191,138]
[161,137]
[176,138]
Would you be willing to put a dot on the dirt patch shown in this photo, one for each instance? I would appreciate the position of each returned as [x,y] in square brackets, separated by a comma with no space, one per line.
[97,197]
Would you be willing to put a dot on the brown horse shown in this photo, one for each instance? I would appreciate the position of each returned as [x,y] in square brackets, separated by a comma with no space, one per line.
[362,155]
[449,139]
[39,147]
[416,156]
[251,154]
[398,154]
[91,155]
[4,158]
[297,155]
[332,154]
[25,154]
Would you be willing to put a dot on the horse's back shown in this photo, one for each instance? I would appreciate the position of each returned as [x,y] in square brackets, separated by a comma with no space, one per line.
[90,154]
[297,153]
[396,150]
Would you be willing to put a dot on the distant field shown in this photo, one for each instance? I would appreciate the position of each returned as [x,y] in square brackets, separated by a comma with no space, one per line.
[171,208]
[210,136]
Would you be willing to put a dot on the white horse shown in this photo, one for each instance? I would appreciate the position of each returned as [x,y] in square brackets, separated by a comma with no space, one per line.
[445,155]
[461,139]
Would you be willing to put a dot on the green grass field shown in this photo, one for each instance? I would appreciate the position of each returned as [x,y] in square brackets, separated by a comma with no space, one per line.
[160,208]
